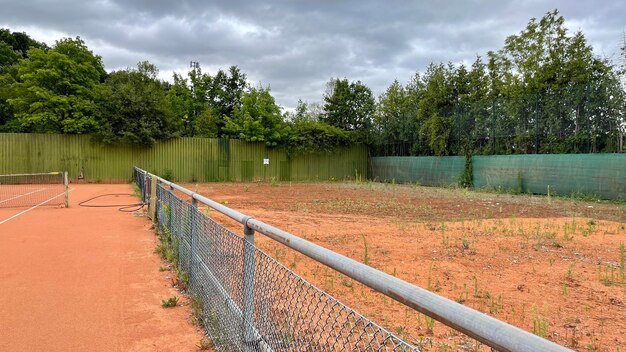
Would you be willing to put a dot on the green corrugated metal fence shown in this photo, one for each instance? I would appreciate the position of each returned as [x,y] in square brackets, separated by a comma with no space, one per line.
[426,170]
[184,159]
[602,175]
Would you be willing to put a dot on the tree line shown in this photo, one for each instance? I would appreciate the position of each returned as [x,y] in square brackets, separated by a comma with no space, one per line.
[544,91]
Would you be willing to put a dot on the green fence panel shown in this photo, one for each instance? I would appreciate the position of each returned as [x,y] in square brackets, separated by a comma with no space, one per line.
[182,159]
[426,170]
[602,175]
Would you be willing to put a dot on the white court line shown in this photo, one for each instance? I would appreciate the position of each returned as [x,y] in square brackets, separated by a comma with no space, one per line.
[33,207]
[22,195]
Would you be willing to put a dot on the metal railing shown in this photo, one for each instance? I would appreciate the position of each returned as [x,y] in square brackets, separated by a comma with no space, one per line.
[253,303]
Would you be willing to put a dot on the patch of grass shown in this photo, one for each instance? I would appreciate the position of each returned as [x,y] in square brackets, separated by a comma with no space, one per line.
[170,302]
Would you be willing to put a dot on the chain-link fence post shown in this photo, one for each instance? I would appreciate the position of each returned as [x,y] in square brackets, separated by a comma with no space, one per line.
[248,286]
[194,239]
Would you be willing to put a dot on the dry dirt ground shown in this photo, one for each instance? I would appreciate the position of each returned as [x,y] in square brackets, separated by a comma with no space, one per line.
[87,279]
[553,266]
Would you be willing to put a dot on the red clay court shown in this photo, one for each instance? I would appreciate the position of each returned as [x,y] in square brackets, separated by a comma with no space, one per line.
[86,279]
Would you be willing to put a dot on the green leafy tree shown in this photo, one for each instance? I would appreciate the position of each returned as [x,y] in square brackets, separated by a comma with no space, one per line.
[58,91]
[13,47]
[138,111]
[543,92]
[258,119]
[225,93]
[206,124]
[179,96]
[20,42]
[349,106]
[435,109]
[203,102]
[392,112]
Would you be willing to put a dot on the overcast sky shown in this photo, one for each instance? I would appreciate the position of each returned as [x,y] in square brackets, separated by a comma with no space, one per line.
[297,46]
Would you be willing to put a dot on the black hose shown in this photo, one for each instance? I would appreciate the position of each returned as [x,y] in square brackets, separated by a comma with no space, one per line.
[127,208]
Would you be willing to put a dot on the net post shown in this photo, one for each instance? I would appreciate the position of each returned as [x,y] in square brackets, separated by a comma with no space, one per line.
[248,287]
[66,187]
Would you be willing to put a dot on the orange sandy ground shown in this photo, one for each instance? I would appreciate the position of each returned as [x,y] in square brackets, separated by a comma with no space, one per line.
[87,279]
[552,265]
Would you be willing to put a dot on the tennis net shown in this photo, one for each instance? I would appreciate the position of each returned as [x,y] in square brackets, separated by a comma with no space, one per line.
[27,190]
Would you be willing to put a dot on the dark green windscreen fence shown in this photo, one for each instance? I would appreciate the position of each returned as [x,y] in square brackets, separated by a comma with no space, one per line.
[425,170]
[601,175]
[181,159]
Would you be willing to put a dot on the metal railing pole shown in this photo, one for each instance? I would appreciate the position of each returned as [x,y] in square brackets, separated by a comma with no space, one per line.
[248,286]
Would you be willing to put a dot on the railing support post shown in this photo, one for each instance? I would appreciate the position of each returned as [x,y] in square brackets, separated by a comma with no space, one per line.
[248,286]
[194,235]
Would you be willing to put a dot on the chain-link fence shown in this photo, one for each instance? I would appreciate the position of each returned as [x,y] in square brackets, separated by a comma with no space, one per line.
[251,302]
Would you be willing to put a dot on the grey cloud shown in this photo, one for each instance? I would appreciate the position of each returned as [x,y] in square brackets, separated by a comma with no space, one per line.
[296,46]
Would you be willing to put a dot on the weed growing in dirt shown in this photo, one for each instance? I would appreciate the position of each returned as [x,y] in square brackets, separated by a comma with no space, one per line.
[170,302]
[205,344]
[433,286]
[494,304]
[607,274]
[445,239]
[569,275]
[183,278]
[163,268]
[197,309]
[475,286]
[168,249]
[366,258]
[347,282]
[430,324]
[588,230]
[278,254]
[548,196]
[465,245]
[622,263]
[540,324]
[329,279]
[567,233]
[294,262]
